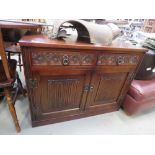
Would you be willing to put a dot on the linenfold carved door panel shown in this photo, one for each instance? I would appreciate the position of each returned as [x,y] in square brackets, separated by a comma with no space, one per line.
[105,89]
[61,95]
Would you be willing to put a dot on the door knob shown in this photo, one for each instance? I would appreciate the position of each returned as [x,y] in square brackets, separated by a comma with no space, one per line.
[88,88]
[91,88]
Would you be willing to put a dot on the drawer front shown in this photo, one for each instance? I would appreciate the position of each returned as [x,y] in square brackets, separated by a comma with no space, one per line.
[118,59]
[59,58]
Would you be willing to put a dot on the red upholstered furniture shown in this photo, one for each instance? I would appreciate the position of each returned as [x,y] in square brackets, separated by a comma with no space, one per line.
[141,94]
[140,97]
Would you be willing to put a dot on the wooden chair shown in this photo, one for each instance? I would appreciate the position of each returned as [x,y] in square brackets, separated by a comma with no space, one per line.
[11,38]
[8,77]
[15,49]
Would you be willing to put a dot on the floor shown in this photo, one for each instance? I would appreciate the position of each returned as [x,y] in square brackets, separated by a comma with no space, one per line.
[110,123]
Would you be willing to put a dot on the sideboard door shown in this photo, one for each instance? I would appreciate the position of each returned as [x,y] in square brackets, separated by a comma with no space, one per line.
[106,89]
[60,95]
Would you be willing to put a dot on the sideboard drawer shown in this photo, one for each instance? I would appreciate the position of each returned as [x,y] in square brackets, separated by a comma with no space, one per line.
[58,58]
[115,59]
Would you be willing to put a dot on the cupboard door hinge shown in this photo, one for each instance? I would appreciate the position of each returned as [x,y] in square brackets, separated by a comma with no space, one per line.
[33,83]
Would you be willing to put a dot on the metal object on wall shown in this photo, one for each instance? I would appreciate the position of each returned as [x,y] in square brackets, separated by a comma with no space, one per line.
[87,31]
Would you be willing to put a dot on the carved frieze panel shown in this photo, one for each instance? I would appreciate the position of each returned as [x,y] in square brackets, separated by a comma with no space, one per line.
[74,60]
[107,60]
[57,58]
[44,58]
[113,59]
[88,59]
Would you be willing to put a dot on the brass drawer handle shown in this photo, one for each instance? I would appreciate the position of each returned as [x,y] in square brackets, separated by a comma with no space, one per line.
[65,60]
[120,60]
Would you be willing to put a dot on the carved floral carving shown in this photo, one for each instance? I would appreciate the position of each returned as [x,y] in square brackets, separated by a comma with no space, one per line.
[106,60]
[44,58]
[112,59]
[87,59]
[53,58]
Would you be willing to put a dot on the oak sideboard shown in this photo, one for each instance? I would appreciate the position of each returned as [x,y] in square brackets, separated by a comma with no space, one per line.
[73,80]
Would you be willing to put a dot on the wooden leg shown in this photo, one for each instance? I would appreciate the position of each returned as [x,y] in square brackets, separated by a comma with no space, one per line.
[12,108]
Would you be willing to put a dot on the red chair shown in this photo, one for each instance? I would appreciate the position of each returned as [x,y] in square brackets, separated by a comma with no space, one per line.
[141,94]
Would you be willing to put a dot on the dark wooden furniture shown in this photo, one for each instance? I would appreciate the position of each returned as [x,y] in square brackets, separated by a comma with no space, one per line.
[12,32]
[73,80]
[8,77]
[15,49]
[8,74]
[8,24]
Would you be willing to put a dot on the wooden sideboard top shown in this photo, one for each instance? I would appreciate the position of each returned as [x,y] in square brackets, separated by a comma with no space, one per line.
[43,41]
